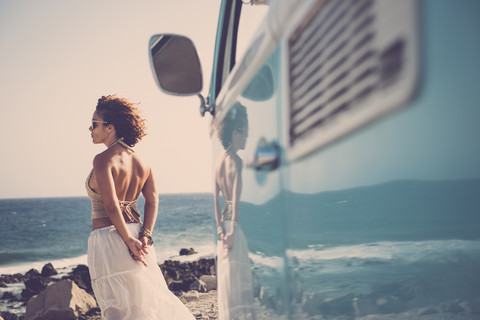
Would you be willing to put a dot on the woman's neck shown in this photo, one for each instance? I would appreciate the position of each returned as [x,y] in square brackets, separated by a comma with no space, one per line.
[111,142]
[231,150]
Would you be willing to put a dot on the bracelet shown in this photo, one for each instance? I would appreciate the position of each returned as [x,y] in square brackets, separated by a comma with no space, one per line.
[147,234]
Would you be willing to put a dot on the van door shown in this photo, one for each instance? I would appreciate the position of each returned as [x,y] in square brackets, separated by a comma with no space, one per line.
[253,84]
[261,208]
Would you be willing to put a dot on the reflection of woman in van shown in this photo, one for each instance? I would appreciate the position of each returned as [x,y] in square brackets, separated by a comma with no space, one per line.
[235,296]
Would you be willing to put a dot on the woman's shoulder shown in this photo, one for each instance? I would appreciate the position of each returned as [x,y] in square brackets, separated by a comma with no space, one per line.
[140,165]
[236,160]
[104,159]
[140,159]
[231,163]
[101,160]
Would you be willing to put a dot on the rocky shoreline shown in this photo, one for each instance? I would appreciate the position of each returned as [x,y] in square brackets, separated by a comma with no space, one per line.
[193,282]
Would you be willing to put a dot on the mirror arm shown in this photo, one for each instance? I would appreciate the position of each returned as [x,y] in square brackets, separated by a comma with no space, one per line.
[204,107]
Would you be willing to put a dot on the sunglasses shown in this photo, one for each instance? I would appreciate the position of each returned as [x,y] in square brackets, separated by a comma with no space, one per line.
[94,123]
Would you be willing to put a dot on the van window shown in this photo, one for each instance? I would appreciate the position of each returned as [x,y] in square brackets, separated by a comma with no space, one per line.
[250,19]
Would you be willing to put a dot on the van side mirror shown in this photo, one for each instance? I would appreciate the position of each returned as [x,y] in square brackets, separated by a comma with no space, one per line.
[175,64]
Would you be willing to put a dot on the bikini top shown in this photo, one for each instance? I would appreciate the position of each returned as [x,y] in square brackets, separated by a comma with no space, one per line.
[128,208]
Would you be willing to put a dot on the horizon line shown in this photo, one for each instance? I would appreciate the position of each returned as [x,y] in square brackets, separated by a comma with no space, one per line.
[85,196]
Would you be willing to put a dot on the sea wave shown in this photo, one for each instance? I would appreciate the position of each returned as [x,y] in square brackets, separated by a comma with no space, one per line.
[407,251]
[260,259]
[201,251]
[68,263]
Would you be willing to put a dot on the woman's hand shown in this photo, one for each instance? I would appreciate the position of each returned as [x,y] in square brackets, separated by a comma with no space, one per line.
[228,241]
[137,250]
[145,242]
[222,244]
[145,237]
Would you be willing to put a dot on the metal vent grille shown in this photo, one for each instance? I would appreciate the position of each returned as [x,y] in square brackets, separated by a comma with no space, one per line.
[334,65]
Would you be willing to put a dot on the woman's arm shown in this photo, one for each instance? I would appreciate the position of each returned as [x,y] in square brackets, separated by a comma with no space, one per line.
[150,211]
[218,217]
[236,190]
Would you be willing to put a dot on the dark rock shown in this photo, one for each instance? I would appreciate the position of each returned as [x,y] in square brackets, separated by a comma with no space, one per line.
[81,276]
[205,266]
[171,273]
[176,286]
[181,285]
[48,270]
[8,316]
[33,286]
[11,278]
[93,314]
[180,276]
[32,273]
[187,252]
[8,296]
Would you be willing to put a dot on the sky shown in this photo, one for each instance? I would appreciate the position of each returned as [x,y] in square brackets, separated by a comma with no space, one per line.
[58,57]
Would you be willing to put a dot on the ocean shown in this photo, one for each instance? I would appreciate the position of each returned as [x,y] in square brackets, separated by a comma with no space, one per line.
[34,232]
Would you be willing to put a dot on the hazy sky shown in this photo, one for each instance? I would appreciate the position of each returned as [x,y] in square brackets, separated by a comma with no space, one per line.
[58,57]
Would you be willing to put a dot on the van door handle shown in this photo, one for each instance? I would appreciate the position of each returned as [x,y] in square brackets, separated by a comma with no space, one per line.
[266,157]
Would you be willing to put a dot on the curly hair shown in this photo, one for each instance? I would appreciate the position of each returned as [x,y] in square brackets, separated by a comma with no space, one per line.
[124,116]
[236,118]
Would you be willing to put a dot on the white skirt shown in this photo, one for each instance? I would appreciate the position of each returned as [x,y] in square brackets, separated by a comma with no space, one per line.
[234,278]
[125,288]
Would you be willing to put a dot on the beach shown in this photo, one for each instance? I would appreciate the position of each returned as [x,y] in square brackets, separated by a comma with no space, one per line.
[193,282]
[50,235]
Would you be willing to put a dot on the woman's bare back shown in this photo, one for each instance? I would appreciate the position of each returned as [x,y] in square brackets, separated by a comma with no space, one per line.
[228,169]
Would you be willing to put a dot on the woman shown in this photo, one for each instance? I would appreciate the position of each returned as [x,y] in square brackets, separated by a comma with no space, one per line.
[126,280]
[235,297]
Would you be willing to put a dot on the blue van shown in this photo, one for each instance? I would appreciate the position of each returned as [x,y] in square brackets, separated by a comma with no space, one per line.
[347,162]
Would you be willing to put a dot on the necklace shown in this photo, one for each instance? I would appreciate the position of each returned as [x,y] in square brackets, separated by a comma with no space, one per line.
[120,142]
[112,144]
